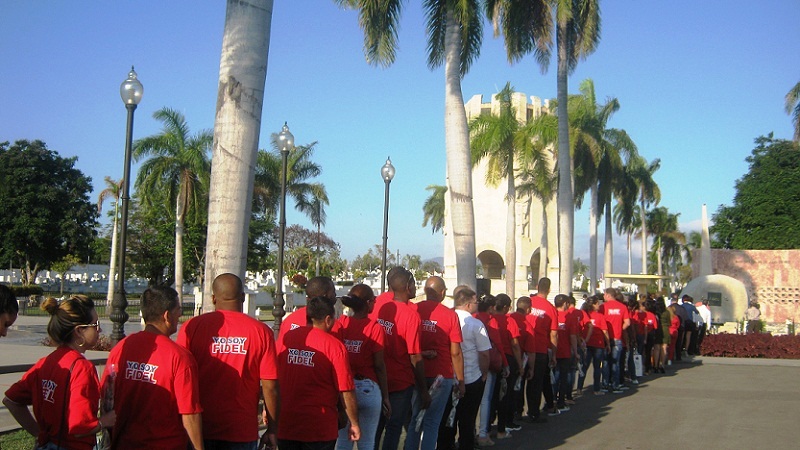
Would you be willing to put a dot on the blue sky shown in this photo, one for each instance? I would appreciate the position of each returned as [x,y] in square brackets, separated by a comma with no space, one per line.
[697,82]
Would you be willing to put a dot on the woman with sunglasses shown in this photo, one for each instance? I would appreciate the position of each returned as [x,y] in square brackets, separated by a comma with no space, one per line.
[364,340]
[63,387]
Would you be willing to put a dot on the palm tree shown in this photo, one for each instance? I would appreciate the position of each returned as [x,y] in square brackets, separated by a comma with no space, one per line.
[661,224]
[237,124]
[793,108]
[454,31]
[649,193]
[500,139]
[538,180]
[317,215]
[433,208]
[526,26]
[627,222]
[111,192]
[177,170]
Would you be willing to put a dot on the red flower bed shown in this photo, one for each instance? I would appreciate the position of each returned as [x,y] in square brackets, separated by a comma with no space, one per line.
[751,346]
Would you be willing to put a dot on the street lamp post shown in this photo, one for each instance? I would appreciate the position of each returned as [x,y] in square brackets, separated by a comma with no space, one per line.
[131,92]
[285,143]
[387,173]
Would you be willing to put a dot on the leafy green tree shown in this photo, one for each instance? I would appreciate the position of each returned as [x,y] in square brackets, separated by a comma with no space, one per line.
[454,32]
[766,208]
[793,108]
[430,266]
[177,171]
[47,213]
[62,266]
[433,209]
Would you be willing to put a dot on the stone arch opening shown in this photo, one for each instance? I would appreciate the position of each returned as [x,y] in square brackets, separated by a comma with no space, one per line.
[492,263]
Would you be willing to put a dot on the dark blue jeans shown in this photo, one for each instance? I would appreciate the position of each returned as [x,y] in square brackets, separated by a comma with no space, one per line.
[401,405]
[594,356]
[612,374]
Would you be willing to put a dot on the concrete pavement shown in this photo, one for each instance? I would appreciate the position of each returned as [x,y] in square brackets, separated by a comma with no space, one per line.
[702,403]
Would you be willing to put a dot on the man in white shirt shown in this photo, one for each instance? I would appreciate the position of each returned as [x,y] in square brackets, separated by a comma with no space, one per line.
[705,314]
[475,350]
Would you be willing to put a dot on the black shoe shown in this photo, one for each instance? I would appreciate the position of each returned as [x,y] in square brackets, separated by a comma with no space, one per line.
[513,427]
[536,419]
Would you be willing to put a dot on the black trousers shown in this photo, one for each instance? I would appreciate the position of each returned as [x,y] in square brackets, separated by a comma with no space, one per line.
[466,413]
[539,384]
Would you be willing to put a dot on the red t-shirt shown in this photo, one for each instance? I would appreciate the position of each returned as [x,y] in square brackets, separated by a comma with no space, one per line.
[615,313]
[675,324]
[312,371]
[293,321]
[597,339]
[493,330]
[440,327]
[362,338]
[544,319]
[525,332]
[567,326]
[650,322]
[234,352]
[401,326]
[43,386]
[156,382]
[509,330]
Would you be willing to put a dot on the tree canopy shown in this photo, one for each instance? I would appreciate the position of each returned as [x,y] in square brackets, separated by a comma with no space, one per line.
[765,214]
[47,212]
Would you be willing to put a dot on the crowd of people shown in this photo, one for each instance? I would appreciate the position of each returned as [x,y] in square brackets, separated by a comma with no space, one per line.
[328,382]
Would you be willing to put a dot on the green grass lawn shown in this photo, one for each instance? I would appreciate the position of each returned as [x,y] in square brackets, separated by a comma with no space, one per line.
[17,440]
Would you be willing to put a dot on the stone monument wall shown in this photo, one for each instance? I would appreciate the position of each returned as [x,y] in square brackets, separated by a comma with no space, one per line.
[771,277]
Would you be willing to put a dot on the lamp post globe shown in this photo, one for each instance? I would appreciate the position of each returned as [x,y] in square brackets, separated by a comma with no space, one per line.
[387,173]
[131,91]
[285,144]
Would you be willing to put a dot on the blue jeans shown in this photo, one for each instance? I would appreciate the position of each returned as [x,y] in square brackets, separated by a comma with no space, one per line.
[613,378]
[212,444]
[486,405]
[593,356]
[401,404]
[368,398]
[432,418]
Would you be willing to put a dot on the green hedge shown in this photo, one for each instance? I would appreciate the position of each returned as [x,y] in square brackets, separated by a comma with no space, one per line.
[25,291]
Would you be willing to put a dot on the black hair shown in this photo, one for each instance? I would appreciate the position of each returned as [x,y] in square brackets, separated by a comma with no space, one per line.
[560,300]
[486,302]
[523,302]
[502,301]
[8,303]
[156,301]
[318,308]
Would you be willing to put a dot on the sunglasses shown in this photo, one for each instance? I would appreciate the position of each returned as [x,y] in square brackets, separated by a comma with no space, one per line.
[95,325]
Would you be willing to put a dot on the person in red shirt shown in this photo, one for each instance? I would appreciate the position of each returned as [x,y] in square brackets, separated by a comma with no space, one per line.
[315,287]
[63,386]
[238,352]
[544,320]
[578,317]
[405,367]
[567,346]
[441,348]
[364,340]
[618,320]
[313,370]
[674,330]
[596,336]
[509,345]
[650,323]
[526,346]
[154,381]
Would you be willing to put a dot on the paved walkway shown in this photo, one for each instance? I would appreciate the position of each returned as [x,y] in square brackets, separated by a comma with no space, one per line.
[706,403]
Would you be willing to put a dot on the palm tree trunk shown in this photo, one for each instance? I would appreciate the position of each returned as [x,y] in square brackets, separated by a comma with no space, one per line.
[179,219]
[459,168]
[644,238]
[242,73]
[658,261]
[608,253]
[511,234]
[593,241]
[544,246]
[112,265]
[565,201]
[630,254]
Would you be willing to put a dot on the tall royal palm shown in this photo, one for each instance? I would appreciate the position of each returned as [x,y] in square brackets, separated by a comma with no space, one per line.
[527,28]
[177,170]
[649,194]
[499,139]
[237,124]
[433,209]
[454,32]
[626,211]
[793,108]
[111,192]
[662,224]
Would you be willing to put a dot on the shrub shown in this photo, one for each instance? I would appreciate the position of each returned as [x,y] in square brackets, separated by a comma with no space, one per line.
[762,345]
[26,291]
